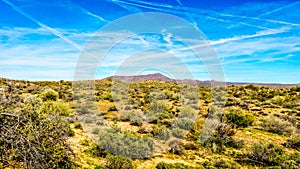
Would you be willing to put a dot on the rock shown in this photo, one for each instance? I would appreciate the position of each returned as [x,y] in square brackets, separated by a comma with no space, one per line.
[101,122]
[255,109]
[70,119]
[101,113]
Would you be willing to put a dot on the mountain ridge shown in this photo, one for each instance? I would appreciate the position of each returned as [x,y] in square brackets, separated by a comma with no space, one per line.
[161,77]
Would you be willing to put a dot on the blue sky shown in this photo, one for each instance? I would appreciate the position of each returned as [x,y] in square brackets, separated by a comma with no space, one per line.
[256,41]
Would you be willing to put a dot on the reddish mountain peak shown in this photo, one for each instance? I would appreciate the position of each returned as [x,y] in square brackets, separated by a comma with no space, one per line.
[138,78]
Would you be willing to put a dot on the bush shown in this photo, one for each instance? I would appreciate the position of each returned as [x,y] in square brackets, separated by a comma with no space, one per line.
[239,118]
[184,123]
[135,117]
[294,142]
[163,165]
[266,155]
[222,163]
[176,147]
[77,125]
[97,151]
[125,144]
[118,162]
[49,94]
[221,138]
[112,108]
[188,112]
[277,125]
[34,139]
[56,107]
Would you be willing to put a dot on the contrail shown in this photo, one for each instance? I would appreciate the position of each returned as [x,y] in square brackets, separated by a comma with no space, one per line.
[181,11]
[54,31]
[279,9]
[89,13]
[94,15]
[200,11]
[179,2]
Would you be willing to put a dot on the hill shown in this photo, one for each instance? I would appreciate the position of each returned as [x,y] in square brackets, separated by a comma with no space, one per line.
[160,77]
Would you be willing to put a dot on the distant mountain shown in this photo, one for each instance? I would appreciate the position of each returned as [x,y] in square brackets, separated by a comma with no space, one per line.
[160,77]
[138,78]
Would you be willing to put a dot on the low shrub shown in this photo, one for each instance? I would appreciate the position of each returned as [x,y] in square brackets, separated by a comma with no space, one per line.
[273,156]
[294,142]
[118,162]
[112,108]
[222,163]
[163,165]
[176,147]
[34,139]
[221,138]
[77,125]
[239,118]
[125,144]
[49,94]
[266,155]
[277,125]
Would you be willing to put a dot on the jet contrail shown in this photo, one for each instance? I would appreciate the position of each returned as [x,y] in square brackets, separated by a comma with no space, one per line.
[279,9]
[182,11]
[203,12]
[88,12]
[54,31]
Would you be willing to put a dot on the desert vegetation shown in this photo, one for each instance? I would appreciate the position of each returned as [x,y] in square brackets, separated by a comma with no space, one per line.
[148,124]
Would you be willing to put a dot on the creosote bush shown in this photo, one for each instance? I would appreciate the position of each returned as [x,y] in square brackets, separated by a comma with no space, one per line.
[271,155]
[49,94]
[125,144]
[222,137]
[163,165]
[294,142]
[34,139]
[277,125]
[239,118]
[118,162]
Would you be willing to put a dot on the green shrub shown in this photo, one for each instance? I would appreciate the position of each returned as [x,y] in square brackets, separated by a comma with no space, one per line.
[239,118]
[135,117]
[277,125]
[57,107]
[112,108]
[49,94]
[222,163]
[221,138]
[184,123]
[279,100]
[294,142]
[125,144]
[176,147]
[77,125]
[163,165]
[118,162]
[188,112]
[266,155]
[34,139]
[97,151]
[95,130]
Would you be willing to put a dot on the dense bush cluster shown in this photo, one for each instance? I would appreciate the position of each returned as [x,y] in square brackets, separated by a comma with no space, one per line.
[277,125]
[239,118]
[118,162]
[125,145]
[272,155]
[293,142]
[163,165]
[32,137]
